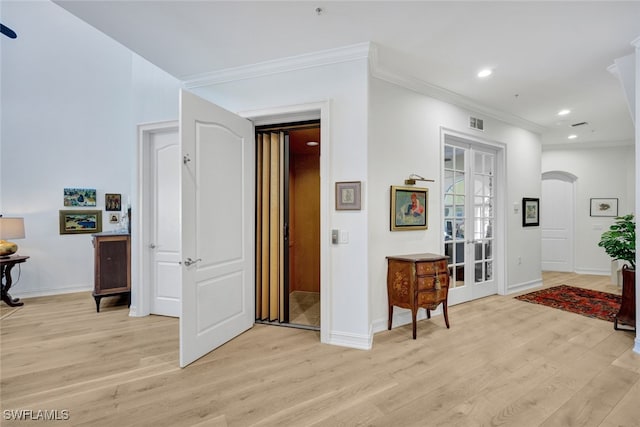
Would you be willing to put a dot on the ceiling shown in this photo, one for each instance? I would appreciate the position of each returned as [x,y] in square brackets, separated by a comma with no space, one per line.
[546,56]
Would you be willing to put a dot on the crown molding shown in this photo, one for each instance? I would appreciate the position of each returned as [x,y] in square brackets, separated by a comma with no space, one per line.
[367,50]
[381,72]
[589,145]
[636,43]
[282,65]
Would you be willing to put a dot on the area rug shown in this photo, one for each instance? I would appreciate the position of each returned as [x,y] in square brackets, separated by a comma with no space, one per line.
[601,305]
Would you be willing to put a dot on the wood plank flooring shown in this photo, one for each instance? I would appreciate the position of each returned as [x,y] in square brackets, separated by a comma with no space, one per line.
[503,363]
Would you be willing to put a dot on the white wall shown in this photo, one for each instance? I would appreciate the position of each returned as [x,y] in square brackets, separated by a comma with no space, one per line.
[404,138]
[601,173]
[71,98]
[345,86]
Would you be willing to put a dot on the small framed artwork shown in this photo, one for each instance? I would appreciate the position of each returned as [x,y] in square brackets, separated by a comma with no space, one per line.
[79,197]
[409,208]
[80,221]
[114,217]
[348,196]
[530,212]
[112,202]
[604,207]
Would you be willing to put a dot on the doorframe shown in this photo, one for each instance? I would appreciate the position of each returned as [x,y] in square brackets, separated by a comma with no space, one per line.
[501,196]
[141,288]
[571,179]
[297,113]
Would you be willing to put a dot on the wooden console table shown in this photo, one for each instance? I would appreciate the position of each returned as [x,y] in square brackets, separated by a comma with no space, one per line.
[6,264]
[419,280]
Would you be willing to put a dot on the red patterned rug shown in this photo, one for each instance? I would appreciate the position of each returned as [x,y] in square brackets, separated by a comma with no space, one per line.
[601,305]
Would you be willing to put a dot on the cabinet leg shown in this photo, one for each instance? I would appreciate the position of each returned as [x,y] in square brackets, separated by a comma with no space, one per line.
[428,313]
[390,317]
[97,298]
[413,320]
[445,312]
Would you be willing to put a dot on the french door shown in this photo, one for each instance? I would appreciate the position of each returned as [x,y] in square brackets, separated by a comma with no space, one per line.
[469,190]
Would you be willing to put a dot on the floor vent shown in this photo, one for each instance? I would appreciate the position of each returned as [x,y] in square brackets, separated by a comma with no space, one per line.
[476,123]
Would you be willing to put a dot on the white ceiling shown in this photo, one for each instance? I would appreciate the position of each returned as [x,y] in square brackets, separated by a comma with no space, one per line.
[547,55]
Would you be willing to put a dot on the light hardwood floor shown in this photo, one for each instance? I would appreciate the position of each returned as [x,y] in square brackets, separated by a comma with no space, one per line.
[503,362]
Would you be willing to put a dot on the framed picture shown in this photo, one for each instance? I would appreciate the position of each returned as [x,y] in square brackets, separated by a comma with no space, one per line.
[79,197]
[604,207]
[80,221]
[114,217]
[530,212]
[112,202]
[409,208]
[348,196]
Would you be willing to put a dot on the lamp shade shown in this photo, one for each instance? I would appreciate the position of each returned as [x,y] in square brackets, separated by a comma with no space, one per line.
[10,228]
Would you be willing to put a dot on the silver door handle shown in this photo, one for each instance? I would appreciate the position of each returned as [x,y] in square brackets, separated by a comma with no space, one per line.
[190,261]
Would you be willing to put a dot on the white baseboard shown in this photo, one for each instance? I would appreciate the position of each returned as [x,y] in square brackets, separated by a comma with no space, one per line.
[524,286]
[17,293]
[636,348]
[594,271]
[402,317]
[347,339]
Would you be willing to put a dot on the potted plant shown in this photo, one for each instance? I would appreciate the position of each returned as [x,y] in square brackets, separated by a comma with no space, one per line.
[619,242]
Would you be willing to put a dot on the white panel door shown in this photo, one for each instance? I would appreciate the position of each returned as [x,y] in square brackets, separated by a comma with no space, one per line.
[556,223]
[164,237]
[218,221]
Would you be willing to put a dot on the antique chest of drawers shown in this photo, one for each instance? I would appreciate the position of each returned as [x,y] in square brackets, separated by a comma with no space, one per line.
[417,281]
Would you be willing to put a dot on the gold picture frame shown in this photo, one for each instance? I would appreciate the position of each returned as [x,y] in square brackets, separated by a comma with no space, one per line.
[80,221]
[409,208]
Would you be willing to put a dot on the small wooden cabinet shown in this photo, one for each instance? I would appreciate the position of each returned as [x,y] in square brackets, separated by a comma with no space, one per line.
[112,266]
[419,280]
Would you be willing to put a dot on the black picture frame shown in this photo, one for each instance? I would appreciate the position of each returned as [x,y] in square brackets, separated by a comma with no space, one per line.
[603,207]
[530,212]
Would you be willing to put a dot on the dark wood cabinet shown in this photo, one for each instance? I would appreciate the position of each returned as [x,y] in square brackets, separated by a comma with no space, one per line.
[417,281]
[112,266]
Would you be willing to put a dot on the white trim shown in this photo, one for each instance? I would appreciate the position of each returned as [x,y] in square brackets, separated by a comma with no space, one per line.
[559,175]
[402,317]
[48,292]
[524,286]
[316,110]
[636,43]
[277,66]
[347,339]
[140,288]
[593,271]
[380,71]
[588,145]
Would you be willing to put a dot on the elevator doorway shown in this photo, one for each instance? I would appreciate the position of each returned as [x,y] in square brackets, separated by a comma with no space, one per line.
[288,224]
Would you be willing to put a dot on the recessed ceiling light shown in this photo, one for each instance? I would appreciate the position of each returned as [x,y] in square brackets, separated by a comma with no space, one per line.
[563,112]
[572,136]
[485,73]
[312,143]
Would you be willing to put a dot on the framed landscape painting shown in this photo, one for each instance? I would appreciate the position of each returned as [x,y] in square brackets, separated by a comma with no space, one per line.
[79,197]
[80,221]
[409,208]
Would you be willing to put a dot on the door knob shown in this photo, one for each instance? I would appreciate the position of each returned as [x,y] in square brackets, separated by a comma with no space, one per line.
[152,246]
[190,261]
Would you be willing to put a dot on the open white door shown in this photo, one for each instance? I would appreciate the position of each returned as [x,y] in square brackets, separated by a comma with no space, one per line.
[218,215]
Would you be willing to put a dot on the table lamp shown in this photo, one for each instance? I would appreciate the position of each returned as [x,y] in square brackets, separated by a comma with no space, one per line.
[10,228]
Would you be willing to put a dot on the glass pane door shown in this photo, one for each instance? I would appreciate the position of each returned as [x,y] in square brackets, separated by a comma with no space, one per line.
[469,190]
